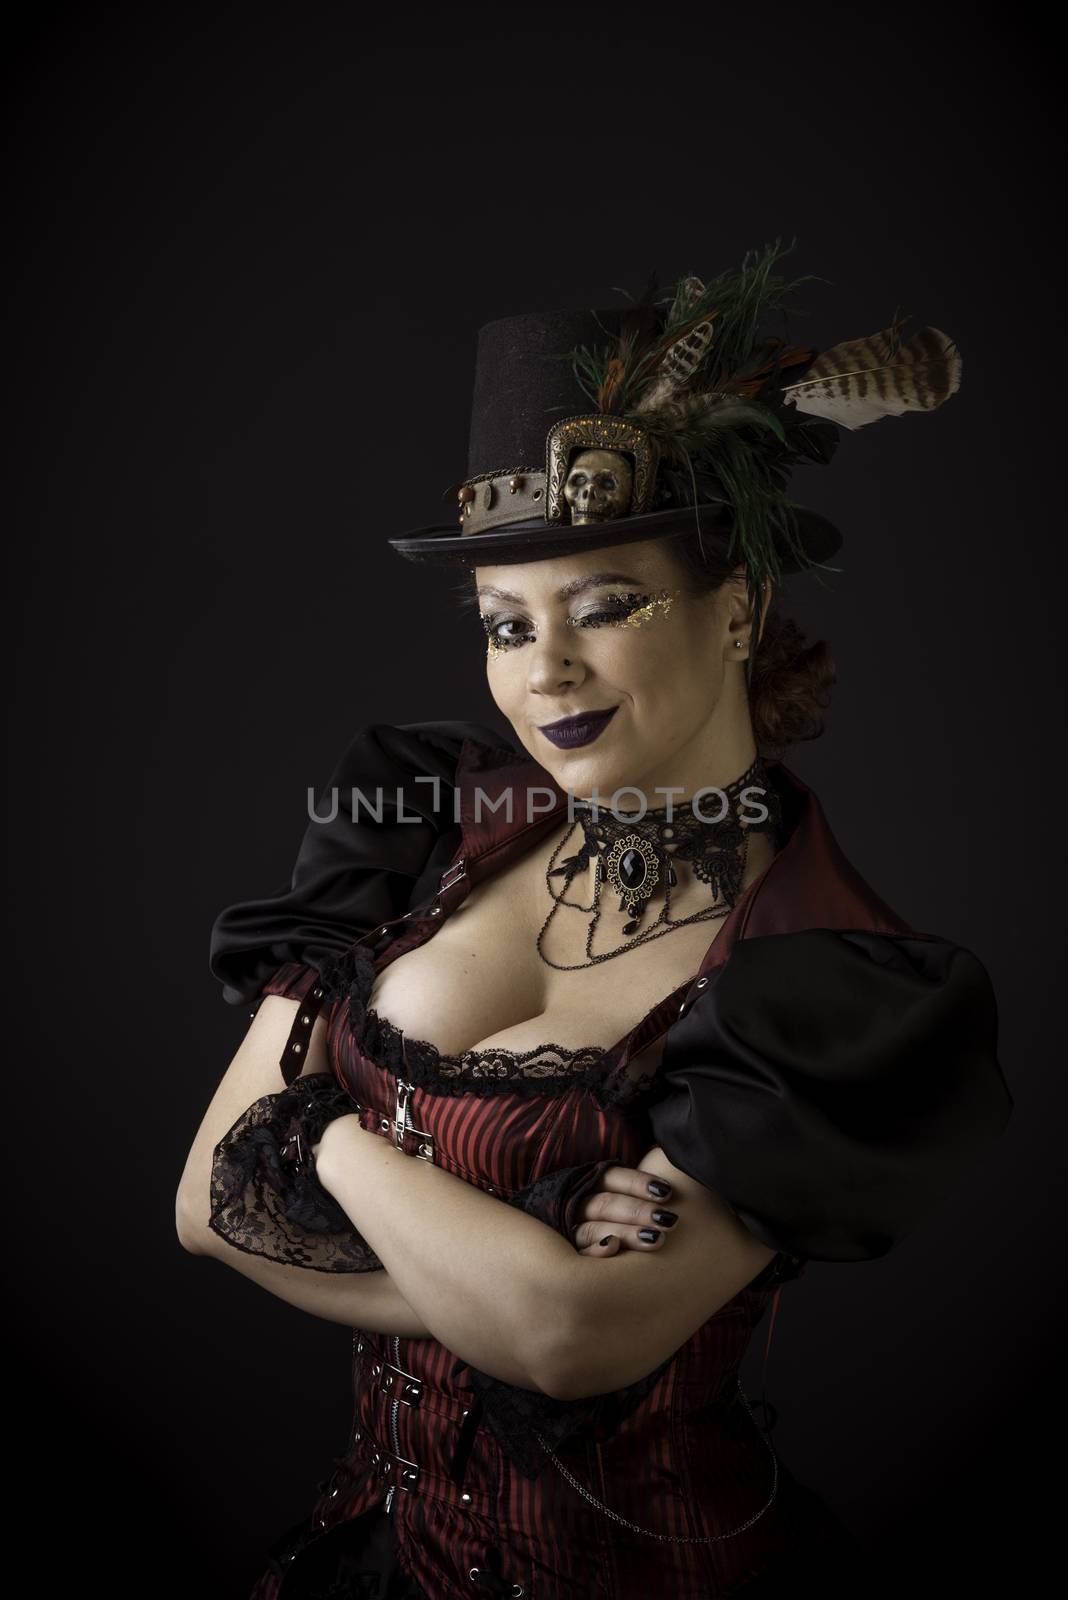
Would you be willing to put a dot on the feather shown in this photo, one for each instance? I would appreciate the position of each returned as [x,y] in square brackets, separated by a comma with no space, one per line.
[611,387]
[734,300]
[688,291]
[639,331]
[691,423]
[704,454]
[678,365]
[864,379]
[752,377]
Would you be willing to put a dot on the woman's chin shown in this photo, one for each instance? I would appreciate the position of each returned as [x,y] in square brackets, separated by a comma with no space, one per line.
[584,771]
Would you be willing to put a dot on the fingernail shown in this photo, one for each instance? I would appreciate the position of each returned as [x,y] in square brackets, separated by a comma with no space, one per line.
[608,1238]
[658,1187]
[666,1219]
[650,1235]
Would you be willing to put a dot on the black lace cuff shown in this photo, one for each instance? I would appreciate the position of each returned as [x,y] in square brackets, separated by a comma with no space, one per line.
[265,1196]
[557,1198]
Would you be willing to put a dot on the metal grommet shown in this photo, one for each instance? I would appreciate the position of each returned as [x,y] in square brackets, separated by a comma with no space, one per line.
[297,1048]
[316,994]
[473,1575]
[517,1590]
[357,1434]
[466,1498]
[305,1020]
[701,982]
[682,1008]
[435,911]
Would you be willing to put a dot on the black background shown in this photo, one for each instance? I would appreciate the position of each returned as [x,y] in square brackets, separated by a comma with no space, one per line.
[250,251]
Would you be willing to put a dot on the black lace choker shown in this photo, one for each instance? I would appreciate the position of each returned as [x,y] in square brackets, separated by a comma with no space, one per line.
[634,856]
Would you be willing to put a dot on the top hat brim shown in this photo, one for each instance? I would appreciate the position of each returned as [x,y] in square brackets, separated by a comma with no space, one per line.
[538,540]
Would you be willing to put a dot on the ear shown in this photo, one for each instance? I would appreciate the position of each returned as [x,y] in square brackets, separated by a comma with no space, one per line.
[740,615]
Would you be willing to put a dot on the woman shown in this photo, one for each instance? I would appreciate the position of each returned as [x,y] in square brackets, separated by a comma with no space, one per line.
[592,1042]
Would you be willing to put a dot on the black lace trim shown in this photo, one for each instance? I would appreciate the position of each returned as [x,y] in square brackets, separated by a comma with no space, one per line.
[516,1416]
[547,1069]
[265,1196]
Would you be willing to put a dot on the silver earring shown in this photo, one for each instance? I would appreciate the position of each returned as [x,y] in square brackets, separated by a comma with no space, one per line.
[738,644]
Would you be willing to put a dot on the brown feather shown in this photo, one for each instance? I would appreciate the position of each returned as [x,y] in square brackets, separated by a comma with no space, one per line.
[863,380]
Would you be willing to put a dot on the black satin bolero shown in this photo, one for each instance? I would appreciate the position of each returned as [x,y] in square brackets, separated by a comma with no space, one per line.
[832,1086]
[349,875]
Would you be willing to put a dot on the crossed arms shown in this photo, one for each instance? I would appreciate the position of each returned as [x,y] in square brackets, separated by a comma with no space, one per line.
[503,1291]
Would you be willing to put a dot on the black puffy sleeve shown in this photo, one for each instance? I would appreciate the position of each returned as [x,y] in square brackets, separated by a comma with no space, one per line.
[832,1087]
[355,868]
[351,874]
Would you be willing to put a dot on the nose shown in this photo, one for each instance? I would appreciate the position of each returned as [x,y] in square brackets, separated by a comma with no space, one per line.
[554,661]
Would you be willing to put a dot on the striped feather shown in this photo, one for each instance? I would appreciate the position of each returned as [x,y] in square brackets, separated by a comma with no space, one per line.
[864,379]
[678,366]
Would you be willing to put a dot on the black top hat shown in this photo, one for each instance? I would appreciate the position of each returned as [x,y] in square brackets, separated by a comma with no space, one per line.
[597,428]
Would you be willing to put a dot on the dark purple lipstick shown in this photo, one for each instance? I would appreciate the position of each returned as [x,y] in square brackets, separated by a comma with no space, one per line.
[570,732]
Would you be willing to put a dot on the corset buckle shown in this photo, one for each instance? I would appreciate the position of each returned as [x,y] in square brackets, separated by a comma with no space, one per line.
[414,1141]
[396,1384]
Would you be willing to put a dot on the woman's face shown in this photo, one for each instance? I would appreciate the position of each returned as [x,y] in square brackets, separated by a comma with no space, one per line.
[615,631]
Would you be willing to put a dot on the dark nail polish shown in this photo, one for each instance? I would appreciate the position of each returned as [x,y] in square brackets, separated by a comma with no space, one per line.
[666,1219]
[650,1235]
[608,1238]
[658,1187]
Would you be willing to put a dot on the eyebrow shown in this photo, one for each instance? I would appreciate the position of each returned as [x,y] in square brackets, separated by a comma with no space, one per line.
[576,586]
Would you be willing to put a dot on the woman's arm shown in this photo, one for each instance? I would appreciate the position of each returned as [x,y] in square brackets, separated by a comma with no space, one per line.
[512,1297]
[368,1300]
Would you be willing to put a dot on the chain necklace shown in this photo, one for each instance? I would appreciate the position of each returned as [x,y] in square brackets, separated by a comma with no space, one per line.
[633,855]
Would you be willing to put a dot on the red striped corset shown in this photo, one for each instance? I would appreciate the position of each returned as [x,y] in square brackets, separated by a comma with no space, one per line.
[679,1456]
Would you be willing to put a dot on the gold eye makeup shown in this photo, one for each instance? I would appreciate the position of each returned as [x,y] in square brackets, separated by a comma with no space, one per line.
[630,610]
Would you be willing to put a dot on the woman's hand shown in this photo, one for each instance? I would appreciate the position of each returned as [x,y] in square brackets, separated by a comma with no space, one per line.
[629,1203]
[320,1151]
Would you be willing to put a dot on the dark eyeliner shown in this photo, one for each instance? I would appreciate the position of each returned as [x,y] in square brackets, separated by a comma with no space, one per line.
[616,608]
